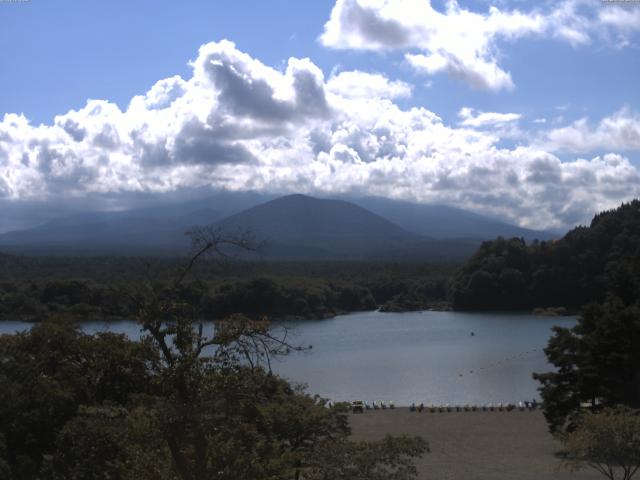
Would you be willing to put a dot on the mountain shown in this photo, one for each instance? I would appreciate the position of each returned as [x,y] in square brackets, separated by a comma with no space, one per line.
[303,227]
[150,230]
[442,221]
[295,216]
[294,226]
[110,232]
[299,225]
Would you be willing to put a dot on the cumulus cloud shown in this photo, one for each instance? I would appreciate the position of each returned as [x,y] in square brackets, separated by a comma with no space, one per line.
[623,22]
[471,118]
[619,132]
[367,85]
[463,43]
[482,74]
[239,124]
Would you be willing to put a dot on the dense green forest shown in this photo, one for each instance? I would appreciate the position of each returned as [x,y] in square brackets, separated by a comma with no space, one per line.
[95,288]
[588,264]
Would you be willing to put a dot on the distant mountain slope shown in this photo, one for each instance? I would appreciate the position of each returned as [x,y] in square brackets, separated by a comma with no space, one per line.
[149,230]
[442,221]
[299,225]
[296,227]
[301,215]
[111,232]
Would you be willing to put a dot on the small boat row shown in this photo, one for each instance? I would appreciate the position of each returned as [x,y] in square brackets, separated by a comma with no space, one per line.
[359,406]
[489,407]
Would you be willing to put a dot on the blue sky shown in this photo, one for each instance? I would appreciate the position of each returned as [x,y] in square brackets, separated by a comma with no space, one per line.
[56,55]
[115,50]
[525,110]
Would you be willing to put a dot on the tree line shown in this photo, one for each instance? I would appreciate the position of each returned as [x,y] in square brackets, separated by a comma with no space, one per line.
[32,288]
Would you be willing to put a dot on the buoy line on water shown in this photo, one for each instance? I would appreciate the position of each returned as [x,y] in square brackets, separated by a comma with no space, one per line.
[501,362]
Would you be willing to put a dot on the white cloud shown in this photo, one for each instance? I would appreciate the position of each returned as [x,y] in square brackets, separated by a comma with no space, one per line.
[619,132]
[367,85]
[242,125]
[479,73]
[470,118]
[463,43]
[624,20]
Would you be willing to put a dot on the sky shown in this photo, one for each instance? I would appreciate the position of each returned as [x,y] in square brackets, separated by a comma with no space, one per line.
[528,111]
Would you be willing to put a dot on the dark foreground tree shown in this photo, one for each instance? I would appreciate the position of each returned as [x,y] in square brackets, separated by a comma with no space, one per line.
[608,442]
[190,401]
[47,373]
[597,364]
[221,411]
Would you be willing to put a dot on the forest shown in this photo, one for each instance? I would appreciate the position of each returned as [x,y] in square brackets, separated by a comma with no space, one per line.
[92,287]
[589,264]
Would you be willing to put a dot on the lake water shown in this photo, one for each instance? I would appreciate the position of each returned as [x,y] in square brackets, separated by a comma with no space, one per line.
[428,357]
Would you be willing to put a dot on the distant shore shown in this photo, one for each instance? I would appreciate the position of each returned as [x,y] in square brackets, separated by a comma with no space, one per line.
[474,445]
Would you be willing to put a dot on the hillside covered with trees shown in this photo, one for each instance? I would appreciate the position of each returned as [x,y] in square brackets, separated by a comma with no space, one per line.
[590,263]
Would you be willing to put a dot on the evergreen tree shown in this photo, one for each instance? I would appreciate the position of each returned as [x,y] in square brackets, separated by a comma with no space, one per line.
[597,362]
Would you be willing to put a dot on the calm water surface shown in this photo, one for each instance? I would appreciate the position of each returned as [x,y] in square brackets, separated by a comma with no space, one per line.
[428,357]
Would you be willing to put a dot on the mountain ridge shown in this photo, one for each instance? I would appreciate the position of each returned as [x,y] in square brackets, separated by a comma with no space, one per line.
[295,226]
[445,221]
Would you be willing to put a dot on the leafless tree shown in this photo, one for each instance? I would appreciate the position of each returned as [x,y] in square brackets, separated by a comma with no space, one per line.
[192,349]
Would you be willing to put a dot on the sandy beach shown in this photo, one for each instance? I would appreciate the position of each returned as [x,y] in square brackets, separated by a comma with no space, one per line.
[475,445]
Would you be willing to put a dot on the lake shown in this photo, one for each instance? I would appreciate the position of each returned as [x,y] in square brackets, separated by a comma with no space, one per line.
[429,357]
